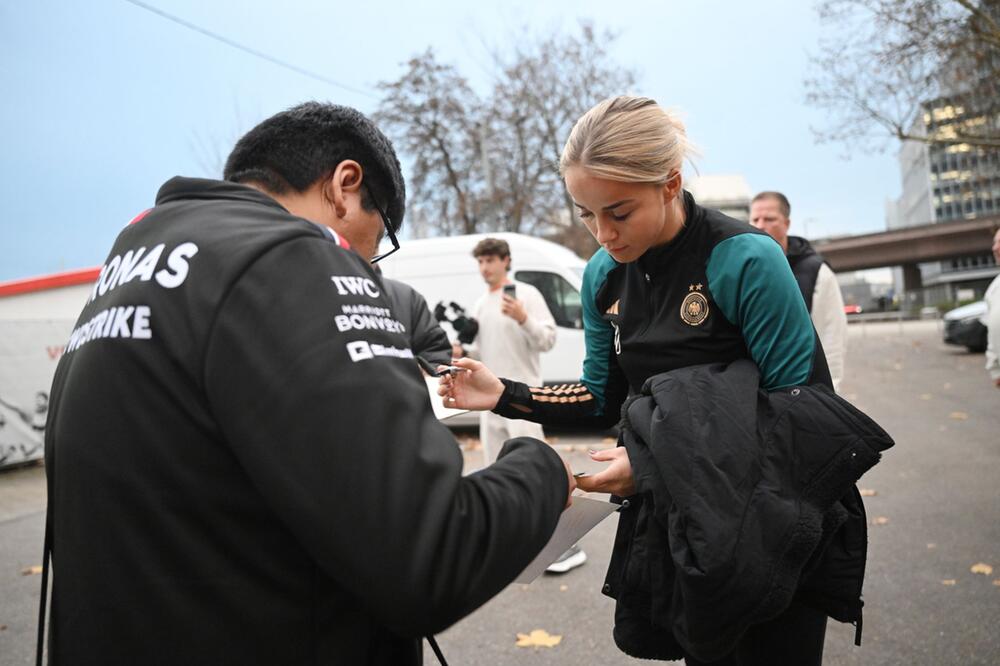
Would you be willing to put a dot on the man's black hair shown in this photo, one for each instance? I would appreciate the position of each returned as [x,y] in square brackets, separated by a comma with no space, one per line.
[295,148]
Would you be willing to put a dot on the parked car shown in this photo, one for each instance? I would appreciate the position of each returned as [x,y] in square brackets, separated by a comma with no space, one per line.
[966,326]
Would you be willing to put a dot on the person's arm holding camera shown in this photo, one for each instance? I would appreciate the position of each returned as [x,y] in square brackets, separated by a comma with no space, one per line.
[467,327]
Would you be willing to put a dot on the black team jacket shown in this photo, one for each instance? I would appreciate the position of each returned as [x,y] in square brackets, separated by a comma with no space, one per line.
[745,498]
[243,462]
[805,263]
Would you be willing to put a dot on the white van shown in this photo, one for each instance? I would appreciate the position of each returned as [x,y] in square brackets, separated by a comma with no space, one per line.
[444,270]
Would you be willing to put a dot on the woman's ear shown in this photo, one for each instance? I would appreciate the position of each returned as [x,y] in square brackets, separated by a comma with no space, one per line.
[672,187]
[344,182]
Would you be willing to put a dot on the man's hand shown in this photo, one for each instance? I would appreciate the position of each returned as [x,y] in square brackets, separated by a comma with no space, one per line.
[514,309]
[616,478]
[474,387]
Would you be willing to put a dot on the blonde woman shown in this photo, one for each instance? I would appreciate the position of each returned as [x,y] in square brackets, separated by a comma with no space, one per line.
[673,285]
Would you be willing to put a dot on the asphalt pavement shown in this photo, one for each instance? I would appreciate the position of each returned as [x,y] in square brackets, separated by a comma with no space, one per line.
[933,505]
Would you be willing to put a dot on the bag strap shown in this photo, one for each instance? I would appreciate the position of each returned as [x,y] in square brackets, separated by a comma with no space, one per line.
[437,650]
[44,596]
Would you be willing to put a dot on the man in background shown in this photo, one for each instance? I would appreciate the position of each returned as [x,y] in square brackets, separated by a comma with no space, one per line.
[992,299]
[769,212]
[514,328]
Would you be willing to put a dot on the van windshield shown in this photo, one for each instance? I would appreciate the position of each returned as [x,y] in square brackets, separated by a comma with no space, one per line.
[562,298]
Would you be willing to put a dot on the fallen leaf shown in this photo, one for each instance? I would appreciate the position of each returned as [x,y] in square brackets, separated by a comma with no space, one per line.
[880,520]
[996,581]
[563,588]
[3,627]
[981,568]
[538,638]
[868,492]
[31,571]
[958,416]
[948,581]
[926,396]
[931,546]
[947,385]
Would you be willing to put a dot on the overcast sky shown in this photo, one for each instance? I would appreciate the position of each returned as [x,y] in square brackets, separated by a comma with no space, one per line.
[102,100]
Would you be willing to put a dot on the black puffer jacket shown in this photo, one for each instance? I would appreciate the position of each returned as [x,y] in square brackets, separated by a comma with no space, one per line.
[745,499]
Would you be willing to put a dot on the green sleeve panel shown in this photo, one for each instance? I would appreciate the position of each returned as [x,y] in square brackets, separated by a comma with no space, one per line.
[598,333]
[753,285]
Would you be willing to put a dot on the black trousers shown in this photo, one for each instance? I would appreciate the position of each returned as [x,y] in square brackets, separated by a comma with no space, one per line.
[794,638]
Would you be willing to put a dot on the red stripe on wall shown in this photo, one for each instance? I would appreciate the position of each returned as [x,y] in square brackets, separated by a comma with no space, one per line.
[54,281]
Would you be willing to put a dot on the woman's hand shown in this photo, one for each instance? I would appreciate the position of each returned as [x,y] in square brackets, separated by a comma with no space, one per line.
[616,478]
[473,387]
[572,483]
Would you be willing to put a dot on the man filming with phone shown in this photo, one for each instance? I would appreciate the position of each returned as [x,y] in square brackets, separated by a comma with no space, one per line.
[515,326]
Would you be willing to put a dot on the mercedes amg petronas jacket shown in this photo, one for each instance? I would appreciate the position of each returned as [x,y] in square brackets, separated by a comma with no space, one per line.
[243,462]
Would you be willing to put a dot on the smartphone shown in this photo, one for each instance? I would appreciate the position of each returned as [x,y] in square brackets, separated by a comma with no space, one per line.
[510,290]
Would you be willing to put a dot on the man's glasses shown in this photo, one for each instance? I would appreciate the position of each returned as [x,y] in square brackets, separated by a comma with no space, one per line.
[388,229]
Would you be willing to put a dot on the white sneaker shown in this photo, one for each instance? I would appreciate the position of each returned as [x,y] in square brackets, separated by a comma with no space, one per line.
[571,559]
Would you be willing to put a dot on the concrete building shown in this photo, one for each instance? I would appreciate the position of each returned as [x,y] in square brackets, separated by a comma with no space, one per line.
[728,193]
[948,183]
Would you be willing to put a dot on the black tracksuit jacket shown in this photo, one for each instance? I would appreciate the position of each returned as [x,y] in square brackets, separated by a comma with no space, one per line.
[243,462]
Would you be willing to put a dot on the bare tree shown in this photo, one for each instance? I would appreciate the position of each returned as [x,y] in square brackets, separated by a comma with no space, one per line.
[492,164]
[434,117]
[548,85]
[211,149]
[909,70]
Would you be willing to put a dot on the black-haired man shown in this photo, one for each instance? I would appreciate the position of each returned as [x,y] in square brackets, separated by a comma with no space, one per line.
[243,463]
